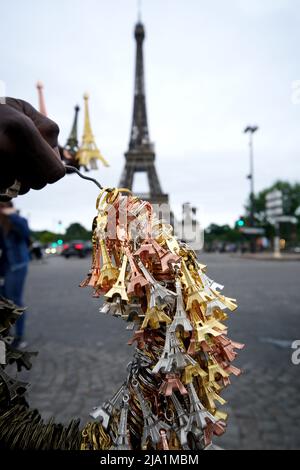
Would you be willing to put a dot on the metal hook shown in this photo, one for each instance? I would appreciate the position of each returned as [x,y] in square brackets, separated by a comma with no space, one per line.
[74,170]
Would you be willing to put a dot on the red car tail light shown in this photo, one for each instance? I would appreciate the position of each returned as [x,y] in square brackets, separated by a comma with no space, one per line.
[79,246]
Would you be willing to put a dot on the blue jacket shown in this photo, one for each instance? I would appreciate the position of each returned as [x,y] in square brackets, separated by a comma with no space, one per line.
[3,257]
[15,245]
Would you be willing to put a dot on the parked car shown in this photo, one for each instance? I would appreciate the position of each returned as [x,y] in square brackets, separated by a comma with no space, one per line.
[76,248]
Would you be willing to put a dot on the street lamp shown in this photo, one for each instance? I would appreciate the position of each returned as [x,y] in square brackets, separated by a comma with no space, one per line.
[251,130]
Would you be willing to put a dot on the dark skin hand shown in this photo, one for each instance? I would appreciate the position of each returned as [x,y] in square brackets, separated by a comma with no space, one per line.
[28,147]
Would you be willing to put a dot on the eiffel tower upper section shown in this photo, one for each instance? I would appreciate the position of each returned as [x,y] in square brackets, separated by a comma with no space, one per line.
[140,156]
[139,136]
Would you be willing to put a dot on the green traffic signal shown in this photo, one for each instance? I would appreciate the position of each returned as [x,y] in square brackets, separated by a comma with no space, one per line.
[241,223]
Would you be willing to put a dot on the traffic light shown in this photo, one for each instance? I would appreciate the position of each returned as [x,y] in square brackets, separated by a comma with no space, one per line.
[241,222]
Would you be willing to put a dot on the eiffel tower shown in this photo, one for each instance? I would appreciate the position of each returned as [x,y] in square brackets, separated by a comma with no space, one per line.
[140,156]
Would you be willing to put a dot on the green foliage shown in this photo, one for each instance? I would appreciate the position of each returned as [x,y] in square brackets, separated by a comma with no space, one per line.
[222,233]
[291,194]
[45,236]
[77,232]
[74,232]
[291,202]
[291,199]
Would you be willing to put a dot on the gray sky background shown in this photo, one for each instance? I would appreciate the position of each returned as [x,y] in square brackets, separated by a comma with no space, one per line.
[211,69]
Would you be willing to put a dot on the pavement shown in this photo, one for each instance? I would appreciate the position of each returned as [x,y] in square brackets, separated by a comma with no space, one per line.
[267,256]
[83,355]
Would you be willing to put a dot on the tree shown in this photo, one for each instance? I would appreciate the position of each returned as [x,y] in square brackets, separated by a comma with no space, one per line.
[223,234]
[77,232]
[45,236]
[291,195]
[291,202]
[74,232]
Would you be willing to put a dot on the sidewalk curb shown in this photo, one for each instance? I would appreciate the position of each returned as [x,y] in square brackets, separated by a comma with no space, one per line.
[285,258]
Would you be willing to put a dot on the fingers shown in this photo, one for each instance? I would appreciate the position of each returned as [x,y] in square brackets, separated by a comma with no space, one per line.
[36,162]
[25,188]
[7,172]
[48,128]
[31,141]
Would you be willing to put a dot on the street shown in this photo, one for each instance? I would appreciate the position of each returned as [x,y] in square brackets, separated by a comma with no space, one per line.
[83,355]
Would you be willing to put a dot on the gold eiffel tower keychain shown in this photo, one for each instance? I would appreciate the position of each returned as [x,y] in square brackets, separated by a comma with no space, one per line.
[88,153]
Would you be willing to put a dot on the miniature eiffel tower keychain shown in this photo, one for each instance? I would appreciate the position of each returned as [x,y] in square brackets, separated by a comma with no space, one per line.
[182,357]
[88,153]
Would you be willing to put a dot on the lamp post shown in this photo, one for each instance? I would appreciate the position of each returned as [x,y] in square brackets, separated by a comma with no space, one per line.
[194,213]
[251,130]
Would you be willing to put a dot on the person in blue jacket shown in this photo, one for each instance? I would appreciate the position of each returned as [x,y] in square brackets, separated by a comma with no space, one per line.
[14,248]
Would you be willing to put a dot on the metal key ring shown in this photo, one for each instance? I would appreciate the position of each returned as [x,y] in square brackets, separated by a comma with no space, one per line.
[104,191]
[171,417]
[126,398]
[135,383]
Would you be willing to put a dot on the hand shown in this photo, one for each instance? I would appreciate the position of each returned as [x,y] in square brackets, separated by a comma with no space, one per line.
[28,147]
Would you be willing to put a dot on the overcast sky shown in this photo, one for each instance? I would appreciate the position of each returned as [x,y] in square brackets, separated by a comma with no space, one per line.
[211,69]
